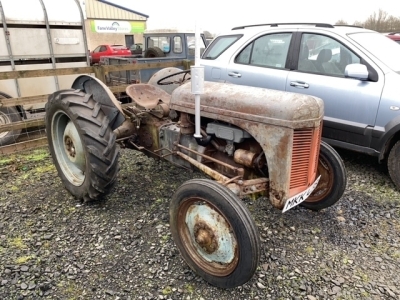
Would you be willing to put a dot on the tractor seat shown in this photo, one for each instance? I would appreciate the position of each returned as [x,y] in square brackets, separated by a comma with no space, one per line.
[147,95]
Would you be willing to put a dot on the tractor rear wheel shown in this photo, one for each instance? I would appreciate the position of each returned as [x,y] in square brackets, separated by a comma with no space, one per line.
[82,144]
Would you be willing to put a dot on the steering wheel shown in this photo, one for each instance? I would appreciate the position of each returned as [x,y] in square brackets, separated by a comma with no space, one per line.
[186,72]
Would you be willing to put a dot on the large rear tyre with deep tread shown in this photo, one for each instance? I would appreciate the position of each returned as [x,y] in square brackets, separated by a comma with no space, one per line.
[82,144]
[393,164]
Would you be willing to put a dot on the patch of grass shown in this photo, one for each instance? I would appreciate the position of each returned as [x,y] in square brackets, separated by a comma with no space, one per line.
[20,158]
[6,160]
[167,290]
[365,294]
[44,169]
[364,277]
[165,238]
[17,243]
[189,288]
[23,259]
[70,290]
[309,250]
[345,260]
[14,188]
[316,230]
[37,155]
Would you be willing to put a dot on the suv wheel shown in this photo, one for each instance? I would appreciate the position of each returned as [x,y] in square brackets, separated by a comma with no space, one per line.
[394,164]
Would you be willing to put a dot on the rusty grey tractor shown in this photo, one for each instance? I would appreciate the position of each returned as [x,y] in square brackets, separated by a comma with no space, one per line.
[253,141]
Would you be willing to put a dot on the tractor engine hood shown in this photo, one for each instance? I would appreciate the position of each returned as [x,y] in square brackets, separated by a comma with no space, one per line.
[231,101]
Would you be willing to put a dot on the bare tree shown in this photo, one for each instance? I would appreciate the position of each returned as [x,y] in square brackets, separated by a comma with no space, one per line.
[381,22]
[341,22]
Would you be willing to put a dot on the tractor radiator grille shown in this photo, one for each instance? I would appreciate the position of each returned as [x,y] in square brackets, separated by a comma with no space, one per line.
[306,144]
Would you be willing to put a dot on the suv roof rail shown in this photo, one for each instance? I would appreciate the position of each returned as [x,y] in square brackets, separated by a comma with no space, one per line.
[345,25]
[277,24]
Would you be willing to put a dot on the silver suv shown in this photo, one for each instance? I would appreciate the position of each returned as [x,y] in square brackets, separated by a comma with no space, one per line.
[354,70]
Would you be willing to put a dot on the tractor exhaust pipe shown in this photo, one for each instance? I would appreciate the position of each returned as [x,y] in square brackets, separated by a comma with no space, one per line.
[197,80]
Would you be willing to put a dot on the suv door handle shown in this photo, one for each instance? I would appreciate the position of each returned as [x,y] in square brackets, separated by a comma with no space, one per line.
[299,84]
[235,74]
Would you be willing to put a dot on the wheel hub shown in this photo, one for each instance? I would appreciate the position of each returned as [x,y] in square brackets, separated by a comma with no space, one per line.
[69,146]
[205,237]
[210,234]
[73,146]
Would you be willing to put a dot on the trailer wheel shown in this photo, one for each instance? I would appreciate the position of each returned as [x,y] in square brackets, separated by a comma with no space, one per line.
[393,164]
[333,180]
[214,232]
[9,115]
[82,144]
[153,52]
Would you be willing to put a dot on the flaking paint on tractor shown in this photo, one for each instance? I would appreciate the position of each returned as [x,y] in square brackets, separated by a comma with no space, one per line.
[253,141]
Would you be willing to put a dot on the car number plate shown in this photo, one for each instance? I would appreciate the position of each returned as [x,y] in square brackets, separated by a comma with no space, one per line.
[297,199]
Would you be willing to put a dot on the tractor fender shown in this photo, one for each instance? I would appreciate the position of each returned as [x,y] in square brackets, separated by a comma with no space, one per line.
[101,94]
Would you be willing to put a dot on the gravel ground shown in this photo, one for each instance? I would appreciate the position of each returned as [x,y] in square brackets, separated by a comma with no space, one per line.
[53,247]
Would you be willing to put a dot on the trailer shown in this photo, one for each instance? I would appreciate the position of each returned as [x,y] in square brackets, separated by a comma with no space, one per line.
[34,35]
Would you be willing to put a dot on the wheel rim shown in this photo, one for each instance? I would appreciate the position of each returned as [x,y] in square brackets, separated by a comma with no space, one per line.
[4,119]
[208,237]
[325,184]
[68,148]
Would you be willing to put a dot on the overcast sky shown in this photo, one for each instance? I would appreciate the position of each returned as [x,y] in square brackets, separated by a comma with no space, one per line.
[217,16]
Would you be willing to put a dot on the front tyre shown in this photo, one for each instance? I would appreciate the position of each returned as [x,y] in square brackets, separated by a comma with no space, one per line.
[333,180]
[214,233]
[393,164]
[82,144]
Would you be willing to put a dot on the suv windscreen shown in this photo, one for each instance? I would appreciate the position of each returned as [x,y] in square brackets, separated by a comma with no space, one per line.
[381,47]
[219,45]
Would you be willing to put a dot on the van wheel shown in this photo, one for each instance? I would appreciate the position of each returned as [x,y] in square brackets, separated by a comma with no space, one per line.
[154,52]
[393,164]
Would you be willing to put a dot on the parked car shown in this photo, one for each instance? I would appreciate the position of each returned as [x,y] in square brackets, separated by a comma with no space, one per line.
[395,36]
[108,50]
[354,70]
[137,49]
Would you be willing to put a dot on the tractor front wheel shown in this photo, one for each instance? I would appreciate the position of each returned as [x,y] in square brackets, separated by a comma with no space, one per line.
[333,180]
[214,233]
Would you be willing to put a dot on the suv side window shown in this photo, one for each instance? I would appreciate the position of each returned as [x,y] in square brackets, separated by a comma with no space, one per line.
[324,55]
[267,51]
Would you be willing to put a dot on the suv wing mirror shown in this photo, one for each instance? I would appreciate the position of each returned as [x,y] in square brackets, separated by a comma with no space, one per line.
[357,71]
